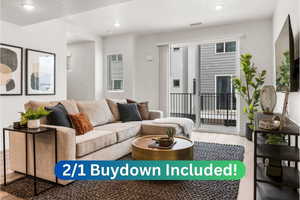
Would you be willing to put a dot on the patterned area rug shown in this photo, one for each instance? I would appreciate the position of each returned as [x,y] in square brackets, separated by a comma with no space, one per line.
[145,190]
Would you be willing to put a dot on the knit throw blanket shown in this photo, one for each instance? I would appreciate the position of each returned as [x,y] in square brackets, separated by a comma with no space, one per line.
[187,125]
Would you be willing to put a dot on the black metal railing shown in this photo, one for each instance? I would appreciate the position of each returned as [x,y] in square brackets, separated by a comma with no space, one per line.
[215,108]
[218,109]
[182,105]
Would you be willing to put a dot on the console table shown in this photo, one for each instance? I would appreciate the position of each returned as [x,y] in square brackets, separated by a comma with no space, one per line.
[27,132]
[264,186]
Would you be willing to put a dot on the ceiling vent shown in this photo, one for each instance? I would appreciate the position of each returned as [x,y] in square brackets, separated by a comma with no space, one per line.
[196,24]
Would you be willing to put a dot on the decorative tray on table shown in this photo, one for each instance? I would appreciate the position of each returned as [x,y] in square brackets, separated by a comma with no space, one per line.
[156,145]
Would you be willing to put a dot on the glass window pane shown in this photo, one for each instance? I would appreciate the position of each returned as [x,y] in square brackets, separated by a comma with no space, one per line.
[119,57]
[223,84]
[223,89]
[176,83]
[230,46]
[220,47]
[115,72]
[117,84]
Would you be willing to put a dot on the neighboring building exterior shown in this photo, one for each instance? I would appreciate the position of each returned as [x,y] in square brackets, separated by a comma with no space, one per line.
[184,61]
[217,63]
[179,70]
[115,72]
[216,67]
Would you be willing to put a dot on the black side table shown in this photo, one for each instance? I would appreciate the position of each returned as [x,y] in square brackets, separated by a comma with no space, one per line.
[264,186]
[33,132]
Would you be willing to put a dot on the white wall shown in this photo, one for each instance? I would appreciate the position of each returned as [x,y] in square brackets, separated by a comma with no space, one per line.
[125,45]
[99,69]
[284,8]
[256,40]
[77,34]
[48,36]
[81,79]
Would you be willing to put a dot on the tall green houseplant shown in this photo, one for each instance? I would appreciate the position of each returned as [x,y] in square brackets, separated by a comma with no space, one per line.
[249,87]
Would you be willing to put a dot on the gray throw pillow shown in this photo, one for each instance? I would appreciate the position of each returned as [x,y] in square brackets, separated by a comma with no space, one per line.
[129,112]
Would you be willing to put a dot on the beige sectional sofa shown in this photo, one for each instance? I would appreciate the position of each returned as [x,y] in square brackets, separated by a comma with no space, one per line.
[110,140]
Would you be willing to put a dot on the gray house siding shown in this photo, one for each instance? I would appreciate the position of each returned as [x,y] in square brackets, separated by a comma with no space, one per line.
[212,64]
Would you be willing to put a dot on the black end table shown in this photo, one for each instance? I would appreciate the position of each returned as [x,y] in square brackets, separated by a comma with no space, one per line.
[264,186]
[33,132]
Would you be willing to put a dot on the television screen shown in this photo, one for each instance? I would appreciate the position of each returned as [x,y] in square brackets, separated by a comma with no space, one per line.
[286,75]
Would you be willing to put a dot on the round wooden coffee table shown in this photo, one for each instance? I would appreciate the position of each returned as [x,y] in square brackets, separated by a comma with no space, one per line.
[182,149]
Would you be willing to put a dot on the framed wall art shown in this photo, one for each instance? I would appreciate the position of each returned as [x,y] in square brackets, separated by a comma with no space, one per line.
[11,70]
[40,72]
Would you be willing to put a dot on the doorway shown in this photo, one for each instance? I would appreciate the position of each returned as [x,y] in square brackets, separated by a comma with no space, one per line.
[200,84]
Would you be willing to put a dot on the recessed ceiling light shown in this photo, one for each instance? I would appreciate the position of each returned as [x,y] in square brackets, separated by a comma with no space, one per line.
[117,24]
[219,7]
[28,7]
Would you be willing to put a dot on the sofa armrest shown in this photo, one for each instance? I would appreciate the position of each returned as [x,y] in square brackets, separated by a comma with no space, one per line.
[45,158]
[66,142]
[155,114]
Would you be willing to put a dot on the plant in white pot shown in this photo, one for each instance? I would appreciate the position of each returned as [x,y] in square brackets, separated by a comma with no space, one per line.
[32,117]
[249,88]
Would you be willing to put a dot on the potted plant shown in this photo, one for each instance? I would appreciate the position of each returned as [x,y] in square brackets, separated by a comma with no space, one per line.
[167,141]
[273,166]
[249,88]
[32,117]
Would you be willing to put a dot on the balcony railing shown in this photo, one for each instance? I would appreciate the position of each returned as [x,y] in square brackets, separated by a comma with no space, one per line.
[214,108]
[182,105]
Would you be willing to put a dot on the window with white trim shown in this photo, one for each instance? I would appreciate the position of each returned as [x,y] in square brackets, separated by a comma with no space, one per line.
[176,83]
[115,72]
[225,47]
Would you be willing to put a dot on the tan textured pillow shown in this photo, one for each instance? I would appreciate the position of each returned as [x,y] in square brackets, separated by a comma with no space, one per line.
[143,108]
[81,123]
[70,106]
[36,104]
[112,103]
[98,112]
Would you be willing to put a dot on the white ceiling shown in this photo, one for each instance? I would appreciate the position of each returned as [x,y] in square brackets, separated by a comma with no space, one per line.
[13,12]
[144,16]
[137,16]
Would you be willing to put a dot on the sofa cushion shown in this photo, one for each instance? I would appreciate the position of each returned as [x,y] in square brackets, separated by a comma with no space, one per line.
[58,116]
[143,108]
[93,141]
[124,131]
[81,123]
[70,106]
[36,104]
[112,103]
[150,128]
[98,112]
[129,112]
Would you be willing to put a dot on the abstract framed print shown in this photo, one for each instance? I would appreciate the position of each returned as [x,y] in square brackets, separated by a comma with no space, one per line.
[40,72]
[11,70]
